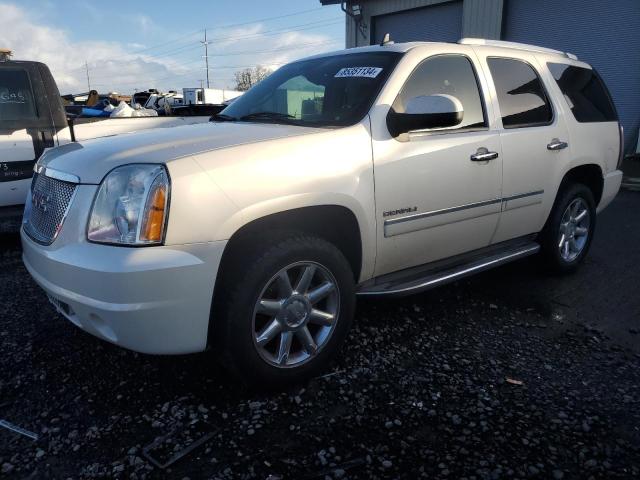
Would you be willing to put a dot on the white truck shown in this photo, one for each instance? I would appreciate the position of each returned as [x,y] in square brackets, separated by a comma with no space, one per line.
[32,119]
[382,170]
[208,96]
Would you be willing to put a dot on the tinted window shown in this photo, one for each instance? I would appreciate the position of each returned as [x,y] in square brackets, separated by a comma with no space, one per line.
[447,74]
[521,97]
[326,91]
[585,93]
[16,97]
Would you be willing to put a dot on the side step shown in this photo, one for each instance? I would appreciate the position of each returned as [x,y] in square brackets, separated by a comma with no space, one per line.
[426,277]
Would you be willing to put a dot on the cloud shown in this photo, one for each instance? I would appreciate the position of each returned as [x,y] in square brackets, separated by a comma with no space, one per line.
[115,66]
[234,49]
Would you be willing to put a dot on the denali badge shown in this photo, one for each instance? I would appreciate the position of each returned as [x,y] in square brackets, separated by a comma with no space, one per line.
[399,211]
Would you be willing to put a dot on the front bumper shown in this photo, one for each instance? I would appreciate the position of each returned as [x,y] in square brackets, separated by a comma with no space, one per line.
[610,188]
[151,299]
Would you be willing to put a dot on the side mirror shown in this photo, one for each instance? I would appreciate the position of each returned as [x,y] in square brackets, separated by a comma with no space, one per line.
[427,111]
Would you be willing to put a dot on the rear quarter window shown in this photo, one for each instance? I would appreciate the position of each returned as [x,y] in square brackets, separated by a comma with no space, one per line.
[585,93]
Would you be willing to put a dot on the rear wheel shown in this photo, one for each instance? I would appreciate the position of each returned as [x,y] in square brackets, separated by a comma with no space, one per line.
[569,231]
[288,309]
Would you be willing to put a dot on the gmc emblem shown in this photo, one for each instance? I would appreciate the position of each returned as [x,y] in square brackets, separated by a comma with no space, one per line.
[40,201]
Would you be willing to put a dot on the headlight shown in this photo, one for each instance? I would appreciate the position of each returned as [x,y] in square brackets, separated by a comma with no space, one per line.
[130,207]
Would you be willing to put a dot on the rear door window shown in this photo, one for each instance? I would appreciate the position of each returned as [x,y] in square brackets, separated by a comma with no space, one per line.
[584,92]
[16,95]
[522,99]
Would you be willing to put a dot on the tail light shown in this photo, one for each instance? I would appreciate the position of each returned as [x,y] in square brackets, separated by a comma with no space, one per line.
[621,154]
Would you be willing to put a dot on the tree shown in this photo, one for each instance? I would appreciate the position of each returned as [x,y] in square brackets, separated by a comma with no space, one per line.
[247,78]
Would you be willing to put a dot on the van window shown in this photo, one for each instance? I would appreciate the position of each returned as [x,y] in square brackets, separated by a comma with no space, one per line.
[446,74]
[585,93]
[16,96]
[521,96]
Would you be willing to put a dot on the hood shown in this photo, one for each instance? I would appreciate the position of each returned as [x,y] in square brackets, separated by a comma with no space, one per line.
[90,160]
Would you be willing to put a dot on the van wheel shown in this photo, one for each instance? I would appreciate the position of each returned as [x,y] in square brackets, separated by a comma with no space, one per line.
[567,236]
[288,311]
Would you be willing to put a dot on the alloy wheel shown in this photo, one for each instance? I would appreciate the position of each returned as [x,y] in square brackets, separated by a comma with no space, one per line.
[296,314]
[574,230]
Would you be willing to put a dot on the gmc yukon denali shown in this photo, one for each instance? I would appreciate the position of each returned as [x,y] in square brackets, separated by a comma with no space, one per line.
[382,170]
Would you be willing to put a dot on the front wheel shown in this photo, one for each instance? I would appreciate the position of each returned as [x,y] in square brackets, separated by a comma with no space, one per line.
[569,231]
[288,311]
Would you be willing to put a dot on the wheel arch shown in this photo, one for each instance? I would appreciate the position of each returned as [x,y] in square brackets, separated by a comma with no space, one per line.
[590,175]
[335,223]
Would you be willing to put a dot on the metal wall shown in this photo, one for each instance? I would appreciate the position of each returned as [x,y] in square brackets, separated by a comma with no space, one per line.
[603,34]
[436,23]
[480,18]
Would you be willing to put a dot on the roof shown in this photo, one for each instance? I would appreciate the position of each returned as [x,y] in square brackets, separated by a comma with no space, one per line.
[514,45]
[478,42]
[389,47]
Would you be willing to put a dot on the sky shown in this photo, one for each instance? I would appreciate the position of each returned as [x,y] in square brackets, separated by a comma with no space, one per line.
[131,46]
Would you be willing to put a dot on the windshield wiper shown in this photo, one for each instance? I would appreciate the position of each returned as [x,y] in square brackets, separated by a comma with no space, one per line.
[267,116]
[221,117]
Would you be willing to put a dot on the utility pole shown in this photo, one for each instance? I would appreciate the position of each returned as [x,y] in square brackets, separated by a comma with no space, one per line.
[206,54]
[86,64]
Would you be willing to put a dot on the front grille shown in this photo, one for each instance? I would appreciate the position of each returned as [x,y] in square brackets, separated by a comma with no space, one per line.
[50,200]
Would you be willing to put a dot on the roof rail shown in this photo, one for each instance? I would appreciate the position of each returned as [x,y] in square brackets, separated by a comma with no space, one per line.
[514,45]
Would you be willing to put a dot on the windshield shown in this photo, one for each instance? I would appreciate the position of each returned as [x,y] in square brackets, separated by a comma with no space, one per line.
[327,91]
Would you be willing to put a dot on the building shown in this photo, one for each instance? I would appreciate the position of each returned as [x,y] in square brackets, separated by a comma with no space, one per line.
[603,33]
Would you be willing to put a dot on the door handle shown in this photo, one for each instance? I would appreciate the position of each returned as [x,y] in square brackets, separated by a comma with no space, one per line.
[483,155]
[557,145]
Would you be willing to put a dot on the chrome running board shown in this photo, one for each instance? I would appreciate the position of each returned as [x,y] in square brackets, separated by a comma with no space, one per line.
[426,277]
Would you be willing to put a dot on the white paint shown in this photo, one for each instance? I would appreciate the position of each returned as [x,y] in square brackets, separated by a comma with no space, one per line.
[225,175]
[14,148]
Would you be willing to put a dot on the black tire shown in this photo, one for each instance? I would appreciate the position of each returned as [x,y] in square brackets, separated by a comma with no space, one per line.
[243,284]
[551,234]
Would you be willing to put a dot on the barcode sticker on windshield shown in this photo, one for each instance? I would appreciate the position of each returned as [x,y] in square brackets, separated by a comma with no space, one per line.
[367,72]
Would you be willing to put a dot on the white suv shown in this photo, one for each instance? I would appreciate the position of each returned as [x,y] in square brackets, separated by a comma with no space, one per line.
[382,170]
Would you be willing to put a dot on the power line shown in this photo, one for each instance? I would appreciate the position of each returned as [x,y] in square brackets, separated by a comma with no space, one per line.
[249,52]
[229,25]
[223,67]
[156,80]
[191,46]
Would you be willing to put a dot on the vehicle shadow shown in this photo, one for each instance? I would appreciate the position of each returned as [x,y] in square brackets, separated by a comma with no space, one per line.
[9,240]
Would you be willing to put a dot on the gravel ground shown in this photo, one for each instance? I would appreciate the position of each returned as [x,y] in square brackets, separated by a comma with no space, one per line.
[510,374]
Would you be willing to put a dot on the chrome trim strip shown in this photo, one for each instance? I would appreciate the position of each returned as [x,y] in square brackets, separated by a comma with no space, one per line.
[522,195]
[57,174]
[443,211]
[418,216]
[458,274]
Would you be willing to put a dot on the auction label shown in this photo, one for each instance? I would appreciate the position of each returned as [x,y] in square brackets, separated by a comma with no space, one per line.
[367,72]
